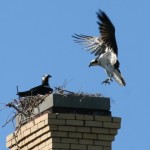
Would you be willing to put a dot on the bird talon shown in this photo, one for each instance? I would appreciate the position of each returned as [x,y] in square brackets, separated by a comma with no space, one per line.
[107,81]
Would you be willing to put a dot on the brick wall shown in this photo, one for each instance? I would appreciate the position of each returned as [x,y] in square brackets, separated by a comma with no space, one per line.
[66,132]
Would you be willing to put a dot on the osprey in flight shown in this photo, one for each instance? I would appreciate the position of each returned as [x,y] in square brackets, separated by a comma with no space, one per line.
[104,47]
[42,89]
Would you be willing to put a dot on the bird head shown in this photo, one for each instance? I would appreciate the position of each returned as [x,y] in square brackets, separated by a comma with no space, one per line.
[45,79]
[46,76]
[93,63]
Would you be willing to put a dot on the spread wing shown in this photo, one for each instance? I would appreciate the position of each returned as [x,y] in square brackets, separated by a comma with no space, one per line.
[107,31]
[98,45]
[92,44]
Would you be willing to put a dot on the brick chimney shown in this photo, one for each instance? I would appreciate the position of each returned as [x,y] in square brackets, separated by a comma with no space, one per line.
[67,123]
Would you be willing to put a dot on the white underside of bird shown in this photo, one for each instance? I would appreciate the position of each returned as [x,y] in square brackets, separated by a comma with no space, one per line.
[108,60]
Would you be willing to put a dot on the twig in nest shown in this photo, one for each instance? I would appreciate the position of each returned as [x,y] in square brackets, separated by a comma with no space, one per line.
[59,90]
[25,106]
[11,119]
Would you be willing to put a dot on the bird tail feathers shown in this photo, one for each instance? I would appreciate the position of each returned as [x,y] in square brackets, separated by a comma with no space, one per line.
[25,93]
[118,77]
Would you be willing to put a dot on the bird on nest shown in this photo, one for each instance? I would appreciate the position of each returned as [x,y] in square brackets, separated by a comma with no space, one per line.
[104,47]
[42,89]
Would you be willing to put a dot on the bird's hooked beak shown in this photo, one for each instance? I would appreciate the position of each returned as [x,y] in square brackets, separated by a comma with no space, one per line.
[93,63]
[90,65]
[49,76]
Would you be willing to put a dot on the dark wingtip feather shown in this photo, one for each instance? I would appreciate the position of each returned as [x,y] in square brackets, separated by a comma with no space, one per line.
[102,17]
[100,14]
[75,35]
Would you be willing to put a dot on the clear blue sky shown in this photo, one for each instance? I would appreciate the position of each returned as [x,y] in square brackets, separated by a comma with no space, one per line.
[35,38]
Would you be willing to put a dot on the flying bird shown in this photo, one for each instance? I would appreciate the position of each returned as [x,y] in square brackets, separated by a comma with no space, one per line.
[104,47]
[42,89]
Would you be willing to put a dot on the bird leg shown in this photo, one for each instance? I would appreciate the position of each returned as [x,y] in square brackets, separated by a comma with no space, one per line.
[107,81]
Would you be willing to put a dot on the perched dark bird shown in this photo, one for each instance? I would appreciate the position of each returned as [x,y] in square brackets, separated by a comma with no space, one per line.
[42,89]
[104,47]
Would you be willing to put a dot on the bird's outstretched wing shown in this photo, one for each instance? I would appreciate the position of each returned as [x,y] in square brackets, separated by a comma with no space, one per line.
[91,43]
[107,31]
